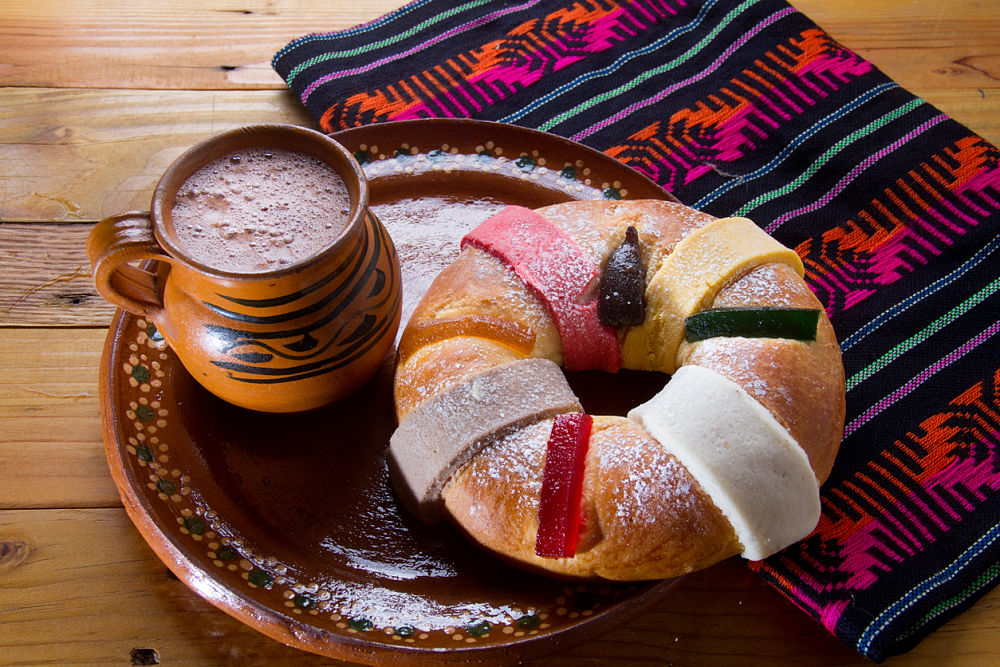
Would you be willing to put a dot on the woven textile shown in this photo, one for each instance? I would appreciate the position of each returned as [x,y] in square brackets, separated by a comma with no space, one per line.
[748,108]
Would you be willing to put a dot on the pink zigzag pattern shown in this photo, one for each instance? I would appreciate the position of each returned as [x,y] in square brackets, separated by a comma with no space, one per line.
[535,49]
[727,125]
[911,222]
[907,497]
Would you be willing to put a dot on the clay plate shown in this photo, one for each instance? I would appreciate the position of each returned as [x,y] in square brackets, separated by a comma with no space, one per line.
[288,522]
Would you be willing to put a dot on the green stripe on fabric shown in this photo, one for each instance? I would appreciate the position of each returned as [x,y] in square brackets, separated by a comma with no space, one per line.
[384,42]
[826,157]
[981,582]
[679,60]
[377,24]
[920,337]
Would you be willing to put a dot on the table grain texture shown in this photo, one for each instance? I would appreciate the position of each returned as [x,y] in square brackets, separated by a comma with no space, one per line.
[96,99]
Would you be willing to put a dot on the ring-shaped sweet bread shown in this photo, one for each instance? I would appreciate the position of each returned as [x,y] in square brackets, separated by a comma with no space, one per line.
[726,459]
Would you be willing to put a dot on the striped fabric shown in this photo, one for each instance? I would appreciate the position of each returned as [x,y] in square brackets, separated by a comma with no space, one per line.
[748,108]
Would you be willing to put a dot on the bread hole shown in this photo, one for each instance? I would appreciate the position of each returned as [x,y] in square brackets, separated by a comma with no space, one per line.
[614,393]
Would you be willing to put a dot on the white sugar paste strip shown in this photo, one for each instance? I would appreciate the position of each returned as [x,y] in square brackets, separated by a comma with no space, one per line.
[741,456]
[446,431]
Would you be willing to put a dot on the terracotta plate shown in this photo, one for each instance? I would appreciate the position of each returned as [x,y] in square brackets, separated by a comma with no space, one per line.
[288,522]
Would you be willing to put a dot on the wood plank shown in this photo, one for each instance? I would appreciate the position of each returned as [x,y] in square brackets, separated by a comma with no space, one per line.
[69,562]
[975,109]
[102,152]
[45,277]
[66,473]
[51,452]
[86,154]
[214,45]
[72,598]
[81,587]
[188,44]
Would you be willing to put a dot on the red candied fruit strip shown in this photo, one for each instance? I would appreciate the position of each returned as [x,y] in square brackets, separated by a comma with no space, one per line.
[562,486]
[555,268]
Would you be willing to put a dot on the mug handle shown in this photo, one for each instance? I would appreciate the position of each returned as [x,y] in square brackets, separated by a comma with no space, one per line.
[111,245]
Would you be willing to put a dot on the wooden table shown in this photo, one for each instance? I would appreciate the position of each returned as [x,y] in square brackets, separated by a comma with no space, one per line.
[96,99]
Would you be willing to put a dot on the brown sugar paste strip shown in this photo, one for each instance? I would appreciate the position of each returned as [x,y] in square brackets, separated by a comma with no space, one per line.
[445,432]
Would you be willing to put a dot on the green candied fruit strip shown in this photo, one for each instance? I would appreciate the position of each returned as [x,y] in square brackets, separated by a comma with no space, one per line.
[766,322]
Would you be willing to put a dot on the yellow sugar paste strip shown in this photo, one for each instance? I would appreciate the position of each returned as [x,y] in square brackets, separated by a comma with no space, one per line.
[687,281]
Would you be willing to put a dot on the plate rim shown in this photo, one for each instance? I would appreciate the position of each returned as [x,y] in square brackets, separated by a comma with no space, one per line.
[283,628]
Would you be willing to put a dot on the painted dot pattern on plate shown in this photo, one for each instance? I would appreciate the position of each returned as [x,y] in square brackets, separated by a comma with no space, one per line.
[264,573]
[145,387]
[575,177]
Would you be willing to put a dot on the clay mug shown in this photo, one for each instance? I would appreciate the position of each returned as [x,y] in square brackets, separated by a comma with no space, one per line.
[283,338]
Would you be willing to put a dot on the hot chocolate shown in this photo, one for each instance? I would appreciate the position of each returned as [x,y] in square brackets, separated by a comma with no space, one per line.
[259,209]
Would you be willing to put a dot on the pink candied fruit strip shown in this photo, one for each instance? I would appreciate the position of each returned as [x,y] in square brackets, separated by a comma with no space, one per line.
[555,268]
[562,486]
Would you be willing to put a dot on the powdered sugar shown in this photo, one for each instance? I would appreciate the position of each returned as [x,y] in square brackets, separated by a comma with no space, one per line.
[554,266]
[762,286]
[650,484]
[424,233]
[442,434]
[513,461]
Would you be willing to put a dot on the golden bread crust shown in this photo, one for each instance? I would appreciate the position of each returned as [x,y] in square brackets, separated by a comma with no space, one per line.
[644,515]
[801,383]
